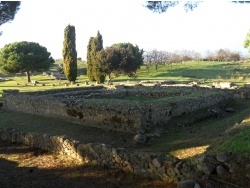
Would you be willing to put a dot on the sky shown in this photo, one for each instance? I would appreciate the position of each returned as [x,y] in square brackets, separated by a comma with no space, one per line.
[211,26]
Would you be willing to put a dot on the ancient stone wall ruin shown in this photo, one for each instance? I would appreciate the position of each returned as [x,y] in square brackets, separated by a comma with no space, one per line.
[188,172]
[128,109]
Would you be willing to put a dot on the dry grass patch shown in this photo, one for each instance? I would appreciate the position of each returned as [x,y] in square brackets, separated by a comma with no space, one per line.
[189,152]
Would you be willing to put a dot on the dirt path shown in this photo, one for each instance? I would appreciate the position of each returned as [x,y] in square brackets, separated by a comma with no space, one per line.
[22,166]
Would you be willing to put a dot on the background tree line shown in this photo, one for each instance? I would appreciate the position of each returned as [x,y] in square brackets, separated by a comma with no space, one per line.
[156,57]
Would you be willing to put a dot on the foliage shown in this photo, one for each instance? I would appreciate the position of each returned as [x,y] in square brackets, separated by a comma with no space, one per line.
[69,53]
[8,10]
[24,57]
[132,57]
[247,42]
[163,6]
[94,71]
[91,77]
[121,58]
[110,58]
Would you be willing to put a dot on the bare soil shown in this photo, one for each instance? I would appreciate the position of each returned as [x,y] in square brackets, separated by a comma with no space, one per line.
[22,166]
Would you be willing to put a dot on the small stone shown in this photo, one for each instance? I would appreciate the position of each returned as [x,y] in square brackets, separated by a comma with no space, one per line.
[233,167]
[179,165]
[220,170]
[223,157]
[231,110]
[140,138]
[212,160]
[157,162]
[197,185]
[248,171]
[207,168]
[186,184]
[239,158]
[171,172]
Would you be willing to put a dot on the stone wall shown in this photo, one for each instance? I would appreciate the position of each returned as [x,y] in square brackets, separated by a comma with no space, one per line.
[200,171]
[114,109]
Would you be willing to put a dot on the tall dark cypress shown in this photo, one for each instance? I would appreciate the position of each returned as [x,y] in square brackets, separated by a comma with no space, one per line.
[90,65]
[69,53]
[94,71]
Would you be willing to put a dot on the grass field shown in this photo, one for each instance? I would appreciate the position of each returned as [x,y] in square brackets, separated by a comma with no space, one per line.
[203,72]
[186,141]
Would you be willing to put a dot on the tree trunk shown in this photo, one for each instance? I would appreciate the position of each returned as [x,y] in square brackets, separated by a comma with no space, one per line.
[156,68]
[28,76]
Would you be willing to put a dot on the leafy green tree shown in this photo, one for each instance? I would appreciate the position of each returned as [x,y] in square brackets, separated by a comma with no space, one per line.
[24,57]
[132,58]
[109,60]
[94,71]
[8,10]
[247,42]
[69,53]
[121,58]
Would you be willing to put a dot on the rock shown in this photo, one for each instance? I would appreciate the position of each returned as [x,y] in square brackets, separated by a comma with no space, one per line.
[247,85]
[212,160]
[157,162]
[220,170]
[207,168]
[248,171]
[223,157]
[231,110]
[171,172]
[140,138]
[233,167]
[225,85]
[179,165]
[158,132]
[186,184]
[197,185]
[204,182]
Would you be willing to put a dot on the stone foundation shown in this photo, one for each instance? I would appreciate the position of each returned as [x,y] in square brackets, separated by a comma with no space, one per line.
[130,109]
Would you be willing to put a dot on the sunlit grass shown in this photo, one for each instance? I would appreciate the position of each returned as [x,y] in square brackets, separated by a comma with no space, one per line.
[235,139]
[189,152]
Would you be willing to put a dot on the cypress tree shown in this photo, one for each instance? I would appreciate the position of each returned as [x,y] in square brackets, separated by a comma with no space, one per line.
[90,65]
[94,69]
[69,53]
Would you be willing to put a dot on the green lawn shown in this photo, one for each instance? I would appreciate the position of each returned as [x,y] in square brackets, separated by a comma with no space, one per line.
[204,72]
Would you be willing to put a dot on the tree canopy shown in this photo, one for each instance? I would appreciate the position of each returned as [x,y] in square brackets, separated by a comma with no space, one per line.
[163,6]
[120,58]
[133,58]
[8,10]
[69,53]
[24,57]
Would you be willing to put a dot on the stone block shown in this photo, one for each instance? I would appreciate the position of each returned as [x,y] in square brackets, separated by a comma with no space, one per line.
[207,168]
[171,172]
[157,162]
[186,184]
[220,170]
[223,157]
